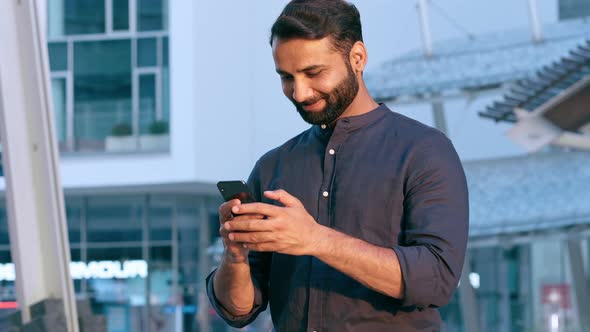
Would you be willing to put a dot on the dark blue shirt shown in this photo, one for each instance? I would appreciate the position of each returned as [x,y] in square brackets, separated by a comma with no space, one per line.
[380,177]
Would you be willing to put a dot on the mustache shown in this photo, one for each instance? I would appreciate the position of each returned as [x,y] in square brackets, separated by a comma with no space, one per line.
[309,101]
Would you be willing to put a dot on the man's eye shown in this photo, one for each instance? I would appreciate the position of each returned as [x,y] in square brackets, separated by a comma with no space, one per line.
[314,74]
[286,78]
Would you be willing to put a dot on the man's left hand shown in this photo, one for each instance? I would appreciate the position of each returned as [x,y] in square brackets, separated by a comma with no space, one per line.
[288,230]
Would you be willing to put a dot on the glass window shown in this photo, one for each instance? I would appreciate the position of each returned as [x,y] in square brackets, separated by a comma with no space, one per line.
[147,52]
[147,102]
[58,87]
[58,56]
[573,9]
[165,81]
[160,220]
[102,90]
[120,15]
[165,51]
[84,16]
[55,18]
[4,235]
[74,215]
[150,15]
[114,219]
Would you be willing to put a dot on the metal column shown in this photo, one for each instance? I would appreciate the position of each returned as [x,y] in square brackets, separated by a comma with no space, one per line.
[36,215]
[467,299]
[581,291]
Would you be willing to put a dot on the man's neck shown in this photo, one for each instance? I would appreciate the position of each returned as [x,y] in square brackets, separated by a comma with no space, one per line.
[363,103]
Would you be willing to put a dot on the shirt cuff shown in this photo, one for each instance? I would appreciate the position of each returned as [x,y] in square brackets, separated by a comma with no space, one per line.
[232,320]
[417,280]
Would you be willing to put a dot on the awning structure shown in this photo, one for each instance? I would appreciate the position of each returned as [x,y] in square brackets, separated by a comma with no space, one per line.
[553,106]
[550,81]
[535,194]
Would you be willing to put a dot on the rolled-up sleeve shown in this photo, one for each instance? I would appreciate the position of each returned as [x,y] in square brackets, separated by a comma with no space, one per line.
[435,223]
[258,261]
[259,270]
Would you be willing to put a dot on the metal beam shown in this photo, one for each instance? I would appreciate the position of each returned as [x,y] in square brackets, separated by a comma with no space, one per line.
[36,214]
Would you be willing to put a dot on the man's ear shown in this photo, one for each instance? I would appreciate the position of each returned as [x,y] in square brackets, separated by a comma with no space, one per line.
[358,57]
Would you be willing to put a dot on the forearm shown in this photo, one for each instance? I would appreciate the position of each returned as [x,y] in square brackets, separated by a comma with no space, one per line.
[375,267]
[233,287]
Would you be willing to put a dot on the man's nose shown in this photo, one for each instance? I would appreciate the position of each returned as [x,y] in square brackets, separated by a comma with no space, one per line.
[302,92]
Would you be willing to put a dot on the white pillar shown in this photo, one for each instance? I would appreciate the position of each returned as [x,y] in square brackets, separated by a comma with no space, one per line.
[537,31]
[36,215]
[425,25]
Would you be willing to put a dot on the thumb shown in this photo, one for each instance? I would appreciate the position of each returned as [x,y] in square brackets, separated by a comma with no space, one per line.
[284,197]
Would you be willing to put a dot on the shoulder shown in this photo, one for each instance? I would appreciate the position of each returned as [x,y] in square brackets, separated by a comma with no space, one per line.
[413,132]
[272,157]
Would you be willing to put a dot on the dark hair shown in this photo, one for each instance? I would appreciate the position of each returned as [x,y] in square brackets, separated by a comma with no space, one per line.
[317,19]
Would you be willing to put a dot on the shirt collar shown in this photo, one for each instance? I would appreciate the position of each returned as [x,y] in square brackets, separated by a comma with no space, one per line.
[352,123]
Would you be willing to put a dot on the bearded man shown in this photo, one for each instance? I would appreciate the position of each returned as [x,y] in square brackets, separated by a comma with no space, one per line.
[362,219]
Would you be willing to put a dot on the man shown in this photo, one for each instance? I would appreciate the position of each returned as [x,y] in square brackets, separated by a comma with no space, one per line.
[363,219]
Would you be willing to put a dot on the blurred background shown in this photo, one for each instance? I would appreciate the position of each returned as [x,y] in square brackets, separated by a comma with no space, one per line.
[155,101]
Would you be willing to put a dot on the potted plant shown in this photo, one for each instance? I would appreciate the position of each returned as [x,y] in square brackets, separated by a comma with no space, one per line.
[158,138]
[121,139]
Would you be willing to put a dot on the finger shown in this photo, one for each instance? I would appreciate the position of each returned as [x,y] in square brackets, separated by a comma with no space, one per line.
[252,225]
[225,209]
[256,208]
[251,237]
[247,217]
[284,197]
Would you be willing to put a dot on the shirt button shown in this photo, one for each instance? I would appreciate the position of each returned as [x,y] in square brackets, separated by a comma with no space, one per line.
[331,151]
[325,194]
[323,126]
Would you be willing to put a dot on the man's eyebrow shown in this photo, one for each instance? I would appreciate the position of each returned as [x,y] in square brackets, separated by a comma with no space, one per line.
[306,69]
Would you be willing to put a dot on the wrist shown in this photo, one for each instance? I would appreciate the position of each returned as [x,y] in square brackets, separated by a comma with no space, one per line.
[320,241]
[234,259]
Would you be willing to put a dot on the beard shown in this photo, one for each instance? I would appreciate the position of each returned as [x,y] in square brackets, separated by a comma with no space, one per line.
[337,101]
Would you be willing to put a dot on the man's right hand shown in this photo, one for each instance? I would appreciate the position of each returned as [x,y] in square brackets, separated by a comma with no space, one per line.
[234,251]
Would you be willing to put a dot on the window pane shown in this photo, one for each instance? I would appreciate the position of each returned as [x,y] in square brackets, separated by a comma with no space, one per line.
[120,14]
[84,16]
[165,81]
[147,102]
[73,215]
[4,234]
[573,9]
[160,219]
[55,18]
[58,56]
[146,52]
[150,15]
[165,51]
[58,87]
[114,219]
[102,90]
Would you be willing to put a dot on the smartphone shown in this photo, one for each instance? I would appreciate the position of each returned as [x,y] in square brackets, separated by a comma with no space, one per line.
[235,189]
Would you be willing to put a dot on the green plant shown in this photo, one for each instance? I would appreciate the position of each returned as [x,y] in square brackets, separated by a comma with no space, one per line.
[122,129]
[158,128]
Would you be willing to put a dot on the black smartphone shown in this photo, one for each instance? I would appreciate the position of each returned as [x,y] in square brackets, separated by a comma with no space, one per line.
[235,189]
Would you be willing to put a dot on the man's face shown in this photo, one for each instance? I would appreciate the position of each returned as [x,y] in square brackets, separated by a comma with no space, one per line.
[316,78]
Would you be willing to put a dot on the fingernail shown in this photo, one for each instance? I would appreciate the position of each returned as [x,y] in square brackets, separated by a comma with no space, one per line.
[245,246]
[226,225]
[235,209]
[231,237]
